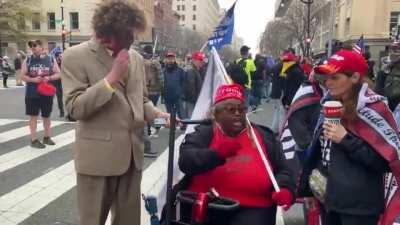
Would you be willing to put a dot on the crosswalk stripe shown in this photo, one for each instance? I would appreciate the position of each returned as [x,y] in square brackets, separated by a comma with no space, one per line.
[12,83]
[23,131]
[25,154]
[21,203]
[8,121]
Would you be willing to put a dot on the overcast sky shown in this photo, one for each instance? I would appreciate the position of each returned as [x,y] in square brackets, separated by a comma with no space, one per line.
[251,17]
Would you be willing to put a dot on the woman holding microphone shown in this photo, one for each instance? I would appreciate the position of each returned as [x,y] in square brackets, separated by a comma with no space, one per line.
[352,145]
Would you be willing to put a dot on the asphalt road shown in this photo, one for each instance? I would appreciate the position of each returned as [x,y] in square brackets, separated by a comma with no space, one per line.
[38,186]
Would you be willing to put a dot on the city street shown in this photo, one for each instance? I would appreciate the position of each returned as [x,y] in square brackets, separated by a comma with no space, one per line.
[38,186]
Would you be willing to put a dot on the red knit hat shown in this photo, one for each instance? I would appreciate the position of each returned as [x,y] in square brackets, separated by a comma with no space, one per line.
[228,91]
[344,61]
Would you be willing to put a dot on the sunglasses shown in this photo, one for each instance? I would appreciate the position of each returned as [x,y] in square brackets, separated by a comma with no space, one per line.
[233,109]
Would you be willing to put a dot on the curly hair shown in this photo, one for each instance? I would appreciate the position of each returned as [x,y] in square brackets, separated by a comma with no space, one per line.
[115,16]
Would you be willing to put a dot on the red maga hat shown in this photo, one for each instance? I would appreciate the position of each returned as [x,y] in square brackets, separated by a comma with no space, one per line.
[229,91]
[170,54]
[288,56]
[197,55]
[344,61]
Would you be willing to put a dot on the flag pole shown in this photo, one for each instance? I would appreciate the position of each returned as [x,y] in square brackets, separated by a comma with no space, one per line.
[257,143]
[204,46]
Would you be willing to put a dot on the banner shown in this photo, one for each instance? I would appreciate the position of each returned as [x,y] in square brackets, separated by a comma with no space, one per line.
[222,34]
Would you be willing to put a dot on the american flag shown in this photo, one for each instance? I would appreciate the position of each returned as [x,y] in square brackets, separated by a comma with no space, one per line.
[360,45]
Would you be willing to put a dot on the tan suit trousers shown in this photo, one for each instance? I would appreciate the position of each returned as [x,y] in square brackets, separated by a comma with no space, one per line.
[97,195]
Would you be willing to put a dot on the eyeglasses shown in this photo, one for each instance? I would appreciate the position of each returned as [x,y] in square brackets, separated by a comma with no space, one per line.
[232,109]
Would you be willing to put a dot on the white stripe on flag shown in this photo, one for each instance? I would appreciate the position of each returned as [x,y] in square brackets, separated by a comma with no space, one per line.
[25,154]
[303,90]
[23,131]
[286,133]
[288,144]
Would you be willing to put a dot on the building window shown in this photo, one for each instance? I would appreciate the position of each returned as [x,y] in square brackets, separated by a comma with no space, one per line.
[183,7]
[51,45]
[21,21]
[36,21]
[194,7]
[194,26]
[394,22]
[178,7]
[51,21]
[194,17]
[74,20]
[183,17]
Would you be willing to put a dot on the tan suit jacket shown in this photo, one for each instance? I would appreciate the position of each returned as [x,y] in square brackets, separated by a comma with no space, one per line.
[110,124]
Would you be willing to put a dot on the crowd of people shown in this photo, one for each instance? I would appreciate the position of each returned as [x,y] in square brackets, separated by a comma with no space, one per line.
[112,91]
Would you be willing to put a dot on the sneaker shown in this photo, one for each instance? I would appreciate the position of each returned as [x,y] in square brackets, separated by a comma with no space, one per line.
[48,141]
[70,119]
[37,144]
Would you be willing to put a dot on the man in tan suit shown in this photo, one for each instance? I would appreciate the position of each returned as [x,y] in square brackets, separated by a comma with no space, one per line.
[104,88]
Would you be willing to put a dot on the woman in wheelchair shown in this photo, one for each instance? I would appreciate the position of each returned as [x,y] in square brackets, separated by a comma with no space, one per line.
[223,156]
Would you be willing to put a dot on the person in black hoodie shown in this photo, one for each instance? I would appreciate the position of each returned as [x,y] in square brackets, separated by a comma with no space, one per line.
[223,156]
[293,75]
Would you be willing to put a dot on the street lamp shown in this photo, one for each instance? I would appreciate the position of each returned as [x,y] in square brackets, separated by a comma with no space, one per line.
[63,31]
[308,38]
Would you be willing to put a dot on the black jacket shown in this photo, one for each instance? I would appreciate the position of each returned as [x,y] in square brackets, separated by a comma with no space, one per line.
[380,89]
[193,83]
[195,156]
[277,82]
[355,177]
[303,121]
[294,78]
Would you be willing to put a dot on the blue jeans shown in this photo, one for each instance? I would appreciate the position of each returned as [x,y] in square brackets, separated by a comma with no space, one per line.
[178,107]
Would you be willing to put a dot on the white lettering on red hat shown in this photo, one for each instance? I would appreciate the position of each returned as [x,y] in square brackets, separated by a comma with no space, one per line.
[337,57]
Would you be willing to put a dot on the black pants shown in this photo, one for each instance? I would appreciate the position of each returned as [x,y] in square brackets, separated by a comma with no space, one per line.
[59,95]
[242,216]
[334,218]
[5,77]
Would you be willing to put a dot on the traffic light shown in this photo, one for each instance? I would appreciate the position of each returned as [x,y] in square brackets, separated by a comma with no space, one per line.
[63,35]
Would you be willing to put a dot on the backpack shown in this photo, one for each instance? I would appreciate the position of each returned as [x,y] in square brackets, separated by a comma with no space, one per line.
[242,63]
[154,80]
[392,84]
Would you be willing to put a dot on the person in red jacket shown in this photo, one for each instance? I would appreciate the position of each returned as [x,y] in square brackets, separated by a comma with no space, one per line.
[224,156]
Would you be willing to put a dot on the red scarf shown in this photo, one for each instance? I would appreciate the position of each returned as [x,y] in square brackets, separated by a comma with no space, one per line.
[375,125]
[242,177]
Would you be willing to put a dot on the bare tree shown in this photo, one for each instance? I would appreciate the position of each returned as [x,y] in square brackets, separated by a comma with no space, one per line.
[275,38]
[295,21]
[228,54]
[13,14]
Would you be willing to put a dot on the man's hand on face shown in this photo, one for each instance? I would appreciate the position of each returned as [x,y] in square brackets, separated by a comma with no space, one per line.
[119,68]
